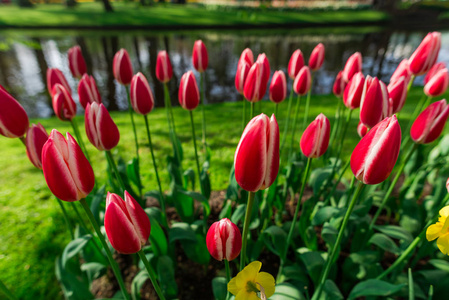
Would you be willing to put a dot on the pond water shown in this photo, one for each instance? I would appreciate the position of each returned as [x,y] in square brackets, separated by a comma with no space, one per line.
[25,56]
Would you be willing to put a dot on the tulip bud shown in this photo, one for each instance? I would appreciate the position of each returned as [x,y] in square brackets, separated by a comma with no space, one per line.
[247,55]
[436,67]
[126,223]
[376,154]
[447,185]
[403,69]
[430,123]
[426,54]
[362,130]
[122,67]
[256,160]
[353,91]
[353,65]
[295,63]
[315,139]
[67,171]
[303,81]
[266,67]
[77,64]
[316,59]
[100,128]
[241,75]
[37,136]
[188,94]
[55,76]
[278,87]
[13,118]
[339,85]
[255,85]
[437,84]
[88,91]
[199,56]
[63,104]
[397,91]
[141,96]
[224,240]
[164,71]
[374,106]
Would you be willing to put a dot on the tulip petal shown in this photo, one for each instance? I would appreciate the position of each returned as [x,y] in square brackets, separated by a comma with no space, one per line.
[108,133]
[272,153]
[139,218]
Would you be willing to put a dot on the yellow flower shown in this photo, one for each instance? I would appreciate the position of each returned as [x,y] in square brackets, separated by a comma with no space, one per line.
[440,230]
[249,284]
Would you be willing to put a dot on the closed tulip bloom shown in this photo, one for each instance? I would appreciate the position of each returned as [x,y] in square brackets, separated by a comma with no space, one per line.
[430,123]
[278,87]
[126,223]
[122,67]
[437,84]
[303,81]
[224,240]
[316,59]
[188,94]
[339,85]
[67,171]
[376,154]
[256,159]
[13,118]
[403,70]
[200,58]
[447,185]
[255,85]
[55,76]
[241,75]
[315,139]
[397,91]
[374,106]
[426,54]
[295,63]
[266,67]
[63,104]
[362,130]
[141,96]
[353,65]
[36,137]
[353,91]
[77,64]
[164,71]
[436,67]
[100,128]
[247,55]
[88,91]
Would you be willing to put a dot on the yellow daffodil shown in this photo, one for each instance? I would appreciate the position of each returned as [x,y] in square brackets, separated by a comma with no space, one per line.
[440,230]
[250,284]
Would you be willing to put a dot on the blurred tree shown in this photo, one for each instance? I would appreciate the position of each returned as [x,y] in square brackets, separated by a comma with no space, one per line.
[107,6]
[24,3]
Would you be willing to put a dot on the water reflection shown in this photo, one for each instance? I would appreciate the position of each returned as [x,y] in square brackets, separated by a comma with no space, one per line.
[25,57]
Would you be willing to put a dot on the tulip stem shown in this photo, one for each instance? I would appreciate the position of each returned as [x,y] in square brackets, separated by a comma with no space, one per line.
[249,208]
[294,126]
[290,100]
[334,187]
[306,111]
[330,258]
[228,276]
[151,274]
[276,110]
[113,166]
[244,114]
[202,80]
[81,221]
[252,110]
[78,137]
[337,125]
[422,104]
[112,262]
[66,218]
[171,122]
[6,291]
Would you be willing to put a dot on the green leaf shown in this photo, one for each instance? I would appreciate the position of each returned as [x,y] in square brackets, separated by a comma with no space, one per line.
[133,172]
[395,232]
[329,234]
[232,192]
[286,291]
[157,238]
[98,204]
[183,203]
[197,251]
[137,284]
[411,287]
[318,177]
[93,270]
[219,288]
[238,214]
[385,243]
[205,180]
[331,291]
[275,239]
[324,214]
[200,198]
[73,287]
[74,247]
[189,176]
[181,231]
[374,287]
[314,263]
[226,210]
[176,146]
[440,264]
[166,274]
[174,171]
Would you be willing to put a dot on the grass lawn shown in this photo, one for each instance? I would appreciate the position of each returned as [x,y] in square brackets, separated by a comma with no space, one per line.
[33,232]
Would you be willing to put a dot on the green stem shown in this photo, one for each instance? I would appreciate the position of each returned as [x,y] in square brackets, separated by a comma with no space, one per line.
[171,122]
[196,152]
[151,274]
[334,187]
[86,229]
[6,291]
[252,110]
[202,79]
[244,115]
[337,125]
[249,208]
[294,126]
[422,104]
[66,218]
[112,262]
[290,100]
[276,110]
[228,276]
[409,86]
[170,109]
[306,112]
[78,137]
[113,166]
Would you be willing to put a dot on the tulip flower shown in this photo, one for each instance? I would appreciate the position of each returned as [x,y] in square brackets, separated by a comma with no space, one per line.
[430,123]
[266,69]
[36,137]
[13,118]
[141,96]
[55,76]
[122,67]
[303,81]
[295,64]
[67,171]
[375,155]
[315,139]
[278,87]
[247,55]
[188,95]
[316,59]
[362,130]
[250,283]
[437,84]
[100,128]
[397,91]
[224,240]
[447,185]
[255,85]
[77,64]
[63,104]
[353,65]
[436,67]
[88,91]
[439,231]
[164,71]
[403,70]
[426,54]
[339,85]
[256,159]
[241,75]
[374,106]
[126,223]
[199,56]
[353,91]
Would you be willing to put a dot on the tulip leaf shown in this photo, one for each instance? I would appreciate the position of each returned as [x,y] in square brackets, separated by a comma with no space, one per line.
[189,175]
[374,287]
[238,214]
[219,288]
[177,148]
[98,203]
[74,247]
[440,264]
[166,274]
[157,238]
[181,231]
[329,234]
[275,239]
[137,284]
[385,243]
[319,177]
[205,180]
[93,270]
[324,214]
[287,291]
[331,291]
[74,287]
[174,171]
[226,210]
[184,204]
[314,263]
[200,198]
[395,232]
[133,172]
[232,191]
[197,251]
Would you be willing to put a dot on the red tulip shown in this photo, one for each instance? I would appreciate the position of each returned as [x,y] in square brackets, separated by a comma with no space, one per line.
[278,87]
[353,65]
[353,91]
[316,59]
[247,55]
[339,85]
[397,91]
[63,104]
[315,139]
[13,118]
[403,70]
[255,85]
[141,96]
[55,76]
[436,67]
[37,136]
[188,95]
[77,64]
[241,75]
[88,91]
[126,223]
[430,123]
[426,54]
[362,130]
[164,71]
[437,84]
[224,240]
[303,81]
[295,63]
[199,56]
[374,106]
[256,159]
[266,67]
[100,128]
[67,171]
[376,154]
[122,67]
[447,185]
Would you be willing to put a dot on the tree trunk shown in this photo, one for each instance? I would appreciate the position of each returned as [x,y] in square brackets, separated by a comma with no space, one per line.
[107,6]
